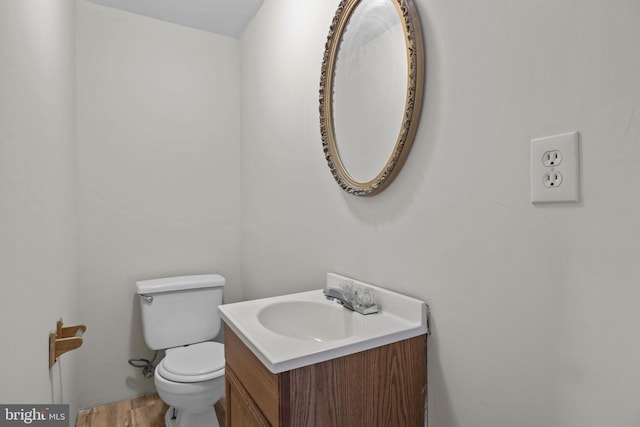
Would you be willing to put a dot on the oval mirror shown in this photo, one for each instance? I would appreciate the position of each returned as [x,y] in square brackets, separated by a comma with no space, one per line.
[370,92]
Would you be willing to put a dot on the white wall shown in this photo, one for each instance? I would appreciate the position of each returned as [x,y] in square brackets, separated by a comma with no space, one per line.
[159,177]
[534,308]
[37,208]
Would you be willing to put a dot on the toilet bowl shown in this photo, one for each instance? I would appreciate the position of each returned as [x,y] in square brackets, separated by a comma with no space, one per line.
[180,315]
[190,380]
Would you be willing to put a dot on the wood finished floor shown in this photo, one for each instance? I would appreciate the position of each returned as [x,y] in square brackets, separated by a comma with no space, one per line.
[145,411]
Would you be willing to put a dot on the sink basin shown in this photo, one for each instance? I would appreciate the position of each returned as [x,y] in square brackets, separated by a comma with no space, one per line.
[308,320]
[291,331]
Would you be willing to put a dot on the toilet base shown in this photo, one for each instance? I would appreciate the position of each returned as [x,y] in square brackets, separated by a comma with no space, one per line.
[186,419]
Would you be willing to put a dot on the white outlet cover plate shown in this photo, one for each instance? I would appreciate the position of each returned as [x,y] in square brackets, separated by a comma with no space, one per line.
[569,190]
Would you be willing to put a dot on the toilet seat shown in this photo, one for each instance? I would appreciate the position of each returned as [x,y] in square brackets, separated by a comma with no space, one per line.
[194,363]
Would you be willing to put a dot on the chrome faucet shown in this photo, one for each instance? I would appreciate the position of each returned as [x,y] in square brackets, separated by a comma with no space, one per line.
[354,297]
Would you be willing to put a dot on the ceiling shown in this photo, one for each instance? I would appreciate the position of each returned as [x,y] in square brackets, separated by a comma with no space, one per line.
[226,17]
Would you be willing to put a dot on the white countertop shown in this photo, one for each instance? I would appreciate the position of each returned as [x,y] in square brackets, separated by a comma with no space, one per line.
[400,317]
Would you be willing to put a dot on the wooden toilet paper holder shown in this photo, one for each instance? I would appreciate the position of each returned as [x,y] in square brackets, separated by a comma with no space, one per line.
[64,339]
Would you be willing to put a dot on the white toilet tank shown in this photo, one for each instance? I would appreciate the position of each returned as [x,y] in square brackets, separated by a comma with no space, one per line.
[180,310]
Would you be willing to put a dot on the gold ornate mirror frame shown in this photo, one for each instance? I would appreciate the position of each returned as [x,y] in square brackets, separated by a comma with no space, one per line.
[415,61]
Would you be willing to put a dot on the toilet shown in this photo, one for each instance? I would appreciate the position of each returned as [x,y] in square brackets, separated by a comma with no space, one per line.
[180,316]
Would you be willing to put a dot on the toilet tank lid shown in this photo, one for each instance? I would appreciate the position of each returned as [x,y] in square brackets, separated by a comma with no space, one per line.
[168,284]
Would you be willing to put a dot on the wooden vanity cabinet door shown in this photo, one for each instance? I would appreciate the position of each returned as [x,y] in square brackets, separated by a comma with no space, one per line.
[241,410]
[260,385]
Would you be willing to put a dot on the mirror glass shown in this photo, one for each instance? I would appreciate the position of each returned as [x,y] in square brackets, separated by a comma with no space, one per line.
[370,92]
[369,85]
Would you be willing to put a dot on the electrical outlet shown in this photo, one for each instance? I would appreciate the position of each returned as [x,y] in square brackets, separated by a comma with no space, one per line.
[552,158]
[555,171]
[552,179]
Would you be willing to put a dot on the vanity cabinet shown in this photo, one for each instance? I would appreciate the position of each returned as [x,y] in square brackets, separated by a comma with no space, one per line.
[386,385]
